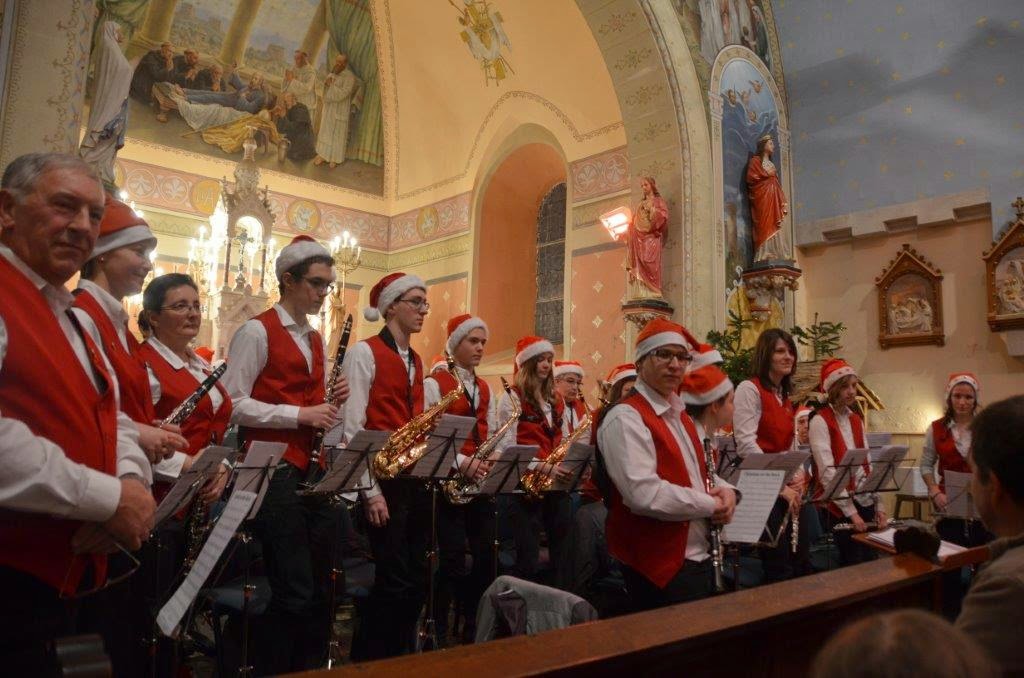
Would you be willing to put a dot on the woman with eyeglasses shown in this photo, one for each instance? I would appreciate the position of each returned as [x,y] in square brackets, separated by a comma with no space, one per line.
[541,424]
[118,265]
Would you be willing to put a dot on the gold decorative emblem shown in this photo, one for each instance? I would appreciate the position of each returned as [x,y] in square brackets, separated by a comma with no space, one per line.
[303,216]
[204,195]
[485,36]
[427,222]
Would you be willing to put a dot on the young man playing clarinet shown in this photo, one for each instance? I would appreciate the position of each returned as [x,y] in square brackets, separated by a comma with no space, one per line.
[386,378]
[467,336]
[659,508]
[276,377]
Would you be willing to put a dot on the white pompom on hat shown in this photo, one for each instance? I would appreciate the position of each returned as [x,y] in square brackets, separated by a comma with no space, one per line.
[460,326]
[387,291]
[301,247]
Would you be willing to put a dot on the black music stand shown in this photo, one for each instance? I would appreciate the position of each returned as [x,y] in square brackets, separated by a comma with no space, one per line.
[883,471]
[503,480]
[435,466]
[845,471]
[577,459]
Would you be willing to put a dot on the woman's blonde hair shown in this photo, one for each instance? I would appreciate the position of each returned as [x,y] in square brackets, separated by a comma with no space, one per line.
[528,383]
[833,390]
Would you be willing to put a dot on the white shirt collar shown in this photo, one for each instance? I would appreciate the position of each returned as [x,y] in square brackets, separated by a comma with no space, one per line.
[173,359]
[111,305]
[59,296]
[286,319]
[660,404]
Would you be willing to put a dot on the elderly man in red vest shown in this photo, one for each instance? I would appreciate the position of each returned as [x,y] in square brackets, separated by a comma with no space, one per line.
[386,377]
[659,509]
[74,484]
[277,380]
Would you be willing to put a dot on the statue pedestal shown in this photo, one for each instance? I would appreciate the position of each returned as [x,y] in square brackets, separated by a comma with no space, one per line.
[765,280]
[639,312]
[234,307]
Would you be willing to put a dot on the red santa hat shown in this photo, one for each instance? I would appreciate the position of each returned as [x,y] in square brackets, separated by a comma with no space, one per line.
[705,355]
[620,372]
[963,378]
[439,362]
[387,291]
[120,227]
[563,367]
[662,332]
[802,412]
[301,247]
[833,370]
[460,326]
[705,385]
[205,352]
[531,347]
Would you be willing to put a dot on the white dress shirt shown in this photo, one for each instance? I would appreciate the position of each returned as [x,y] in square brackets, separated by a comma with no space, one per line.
[247,358]
[821,449]
[432,394]
[629,455]
[930,456]
[36,476]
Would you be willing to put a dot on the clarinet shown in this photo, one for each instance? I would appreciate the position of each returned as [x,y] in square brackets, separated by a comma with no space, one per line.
[317,451]
[715,531]
[189,405]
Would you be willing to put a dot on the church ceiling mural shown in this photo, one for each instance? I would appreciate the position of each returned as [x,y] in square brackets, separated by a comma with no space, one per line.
[297,76]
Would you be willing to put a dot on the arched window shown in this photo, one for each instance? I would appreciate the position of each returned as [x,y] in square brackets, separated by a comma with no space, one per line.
[547,319]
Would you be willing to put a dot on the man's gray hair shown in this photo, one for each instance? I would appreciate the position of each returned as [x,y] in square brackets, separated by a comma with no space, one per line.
[23,172]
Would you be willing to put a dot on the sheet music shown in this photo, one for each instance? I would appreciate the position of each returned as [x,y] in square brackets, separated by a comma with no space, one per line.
[760,489]
[255,472]
[848,467]
[577,459]
[451,427]
[332,438]
[888,538]
[189,482]
[909,480]
[877,439]
[234,513]
[345,465]
[783,461]
[508,468]
[958,494]
[884,462]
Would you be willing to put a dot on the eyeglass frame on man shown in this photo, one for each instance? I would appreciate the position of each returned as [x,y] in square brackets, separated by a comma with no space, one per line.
[684,358]
[421,305]
[320,285]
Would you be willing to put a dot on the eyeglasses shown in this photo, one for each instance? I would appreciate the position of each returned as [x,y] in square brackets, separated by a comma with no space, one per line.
[418,304]
[183,307]
[112,580]
[666,355]
[571,382]
[320,285]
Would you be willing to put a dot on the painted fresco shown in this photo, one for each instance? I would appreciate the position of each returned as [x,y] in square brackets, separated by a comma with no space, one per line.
[748,112]
[315,115]
[710,25]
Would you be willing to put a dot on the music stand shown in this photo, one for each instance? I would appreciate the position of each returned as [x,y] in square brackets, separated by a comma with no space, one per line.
[503,479]
[577,459]
[883,471]
[846,470]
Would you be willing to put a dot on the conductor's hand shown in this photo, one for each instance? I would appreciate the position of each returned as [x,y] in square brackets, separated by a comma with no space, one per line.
[725,504]
[318,416]
[475,469]
[158,443]
[133,520]
[340,393]
[858,523]
[377,510]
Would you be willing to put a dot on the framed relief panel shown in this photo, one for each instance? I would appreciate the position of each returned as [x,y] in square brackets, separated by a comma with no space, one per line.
[910,301]
[1004,277]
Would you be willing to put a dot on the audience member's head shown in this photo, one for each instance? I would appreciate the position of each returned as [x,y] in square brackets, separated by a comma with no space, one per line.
[997,462]
[902,644]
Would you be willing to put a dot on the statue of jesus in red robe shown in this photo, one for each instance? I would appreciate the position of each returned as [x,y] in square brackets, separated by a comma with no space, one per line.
[646,237]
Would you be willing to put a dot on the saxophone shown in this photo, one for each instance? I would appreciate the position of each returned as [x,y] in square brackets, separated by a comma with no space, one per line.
[408,444]
[536,483]
[460,490]
[714,531]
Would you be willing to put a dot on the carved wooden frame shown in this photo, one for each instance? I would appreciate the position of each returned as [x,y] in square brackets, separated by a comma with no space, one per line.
[1011,239]
[908,262]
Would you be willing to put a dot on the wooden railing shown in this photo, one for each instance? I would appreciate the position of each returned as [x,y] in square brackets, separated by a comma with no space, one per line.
[767,631]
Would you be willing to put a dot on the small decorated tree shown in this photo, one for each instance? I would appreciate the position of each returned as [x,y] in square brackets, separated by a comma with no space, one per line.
[822,337]
[736,359]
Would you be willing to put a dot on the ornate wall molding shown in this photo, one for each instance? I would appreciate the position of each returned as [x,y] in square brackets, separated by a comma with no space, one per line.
[442,249]
[432,222]
[600,174]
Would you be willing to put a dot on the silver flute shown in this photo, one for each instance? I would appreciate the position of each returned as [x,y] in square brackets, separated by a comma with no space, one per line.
[715,531]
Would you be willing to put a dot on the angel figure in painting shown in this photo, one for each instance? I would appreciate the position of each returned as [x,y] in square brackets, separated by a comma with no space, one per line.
[645,240]
[768,206]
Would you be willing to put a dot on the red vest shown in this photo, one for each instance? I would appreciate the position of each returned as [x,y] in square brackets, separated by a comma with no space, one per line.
[838,445]
[945,447]
[462,407]
[286,379]
[132,379]
[204,425]
[654,548]
[393,401]
[533,426]
[776,428]
[43,385]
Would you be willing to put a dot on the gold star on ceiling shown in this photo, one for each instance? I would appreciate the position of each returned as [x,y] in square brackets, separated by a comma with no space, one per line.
[960,141]
[909,110]
[948,174]
[896,76]
[942,44]
[905,35]
[1000,80]
[981,21]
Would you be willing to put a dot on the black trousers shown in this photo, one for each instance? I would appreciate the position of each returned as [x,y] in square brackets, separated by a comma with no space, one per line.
[693,581]
[461,531]
[387,624]
[781,562]
[296,535]
[852,552]
[554,513]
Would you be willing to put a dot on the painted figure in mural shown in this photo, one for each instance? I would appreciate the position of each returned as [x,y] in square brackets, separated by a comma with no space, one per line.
[646,237]
[293,121]
[156,66]
[712,38]
[339,89]
[186,68]
[760,31]
[301,81]
[768,206]
[108,114]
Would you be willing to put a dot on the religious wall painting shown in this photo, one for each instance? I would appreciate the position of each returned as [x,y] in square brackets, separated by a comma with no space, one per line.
[711,25]
[483,31]
[1004,276]
[301,75]
[910,301]
[749,115]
